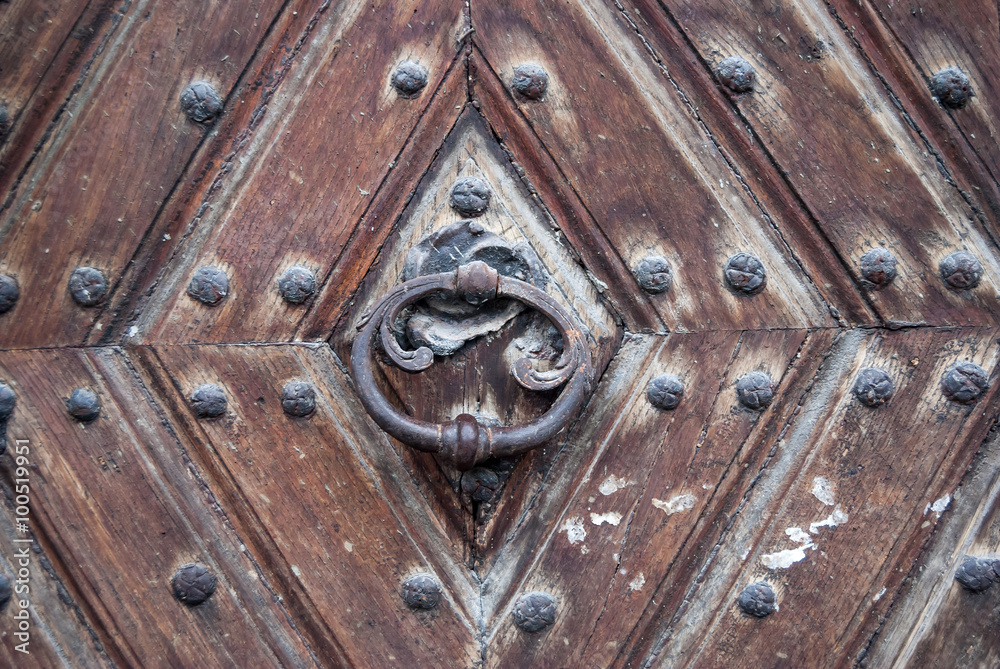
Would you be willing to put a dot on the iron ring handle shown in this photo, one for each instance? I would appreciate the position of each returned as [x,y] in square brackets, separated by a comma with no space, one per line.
[464,441]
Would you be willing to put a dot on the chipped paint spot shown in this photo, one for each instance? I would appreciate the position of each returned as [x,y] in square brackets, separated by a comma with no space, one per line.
[584,550]
[611,518]
[879,595]
[785,559]
[938,506]
[637,583]
[676,504]
[823,490]
[349,546]
[573,527]
[838,517]
[612,484]
[296,571]
[796,534]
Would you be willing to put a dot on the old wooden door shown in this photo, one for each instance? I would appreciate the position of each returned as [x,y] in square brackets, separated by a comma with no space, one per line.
[772,225]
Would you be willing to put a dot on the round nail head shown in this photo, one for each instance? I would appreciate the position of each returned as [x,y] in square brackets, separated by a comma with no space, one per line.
[654,274]
[745,274]
[9,293]
[978,574]
[535,611]
[209,285]
[964,383]
[665,392]
[951,87]
[470,196]
[530,81]
[201,102]
[736,74]
[208,401]
[878,268]
[87,286]
[480,484]
[873,387]
[193,584]
[755,390]
[298,399]
[296,284]
[757,599]
[421,592]
[83,404]
[961,270]
[409,79]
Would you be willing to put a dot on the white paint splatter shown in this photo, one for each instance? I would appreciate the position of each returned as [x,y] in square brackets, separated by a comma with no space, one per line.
[611,518]
[584,550]
[637,583]
[938,506]
[838,517]
[612,484]
[573,527]
[785,559]
[296,571]
[796,534]
[348,546]
[879,595]
[676,504]
[823,489]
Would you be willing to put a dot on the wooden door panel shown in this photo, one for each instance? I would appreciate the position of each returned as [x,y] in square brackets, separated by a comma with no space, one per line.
[124,512]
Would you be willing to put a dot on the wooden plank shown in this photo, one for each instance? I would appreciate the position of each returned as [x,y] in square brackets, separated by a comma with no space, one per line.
[330,150]
[90,196]
[309,503]
[856,163]
[841,517]
[639,504]
[644,167]
[123,510]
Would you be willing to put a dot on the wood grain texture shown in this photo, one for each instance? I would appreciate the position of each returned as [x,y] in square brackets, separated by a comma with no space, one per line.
[330,152]
[93,192]
[644,167]
[853,158]
[123,512]
[305,493]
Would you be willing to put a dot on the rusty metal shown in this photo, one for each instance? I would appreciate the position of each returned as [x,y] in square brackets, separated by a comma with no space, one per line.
[978,574]
[878,268]
[951,87]
[480,484]
[873,387]
[964,382]
[535,611]
[530,81]
[298,399]
[665,392]
[757,599]
[465,442]
[209,285]
[755,390]
[409,79]
[209,401]
[736,74]
[654,274]
[745,274]
[296,284]
[200,102]
[193,584]
[87,286]
[84,405]
[421,592]
[470,196]
[8,400]
[961,270]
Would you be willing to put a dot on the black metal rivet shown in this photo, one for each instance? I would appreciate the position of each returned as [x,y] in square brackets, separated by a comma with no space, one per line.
[8,400]
[951,88]
[9,293]
[745,274]
[654,274]
[480,484]
[409,79]
[209,401]
[736,74]
[755,390]
[964,382]
[87,286]
[201,102]
[470,196]
[978,574]
[665,392]
[83,404]
[873,387]
[296,284]
[878,268]
[6,590]
[535,611]
[757,599]
[530,81]
[209,285]
[193,584]
[421,591]
[961,270]
[298,399]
